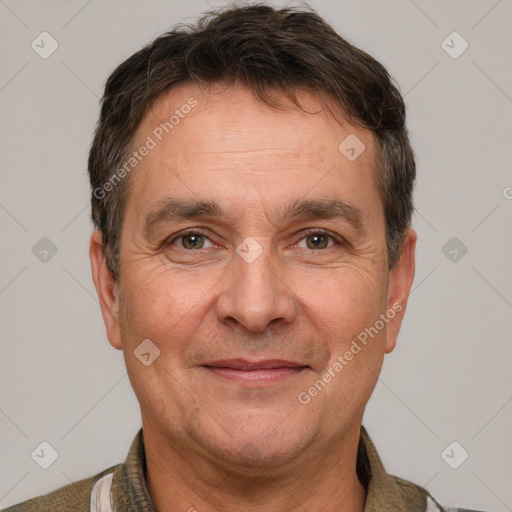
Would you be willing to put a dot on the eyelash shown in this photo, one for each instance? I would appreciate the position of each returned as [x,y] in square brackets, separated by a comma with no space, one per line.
[340,241]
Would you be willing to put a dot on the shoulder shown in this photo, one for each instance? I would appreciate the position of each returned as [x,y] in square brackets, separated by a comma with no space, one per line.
[74,497]
[429,504]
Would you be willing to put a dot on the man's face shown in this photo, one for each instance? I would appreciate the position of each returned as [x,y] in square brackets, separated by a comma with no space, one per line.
[253,256]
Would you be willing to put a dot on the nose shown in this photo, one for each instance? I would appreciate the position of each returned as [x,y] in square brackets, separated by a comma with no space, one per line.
[255,294]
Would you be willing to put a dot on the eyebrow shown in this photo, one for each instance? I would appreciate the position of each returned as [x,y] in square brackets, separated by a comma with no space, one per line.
[178,210]
[324,209]
[175,210]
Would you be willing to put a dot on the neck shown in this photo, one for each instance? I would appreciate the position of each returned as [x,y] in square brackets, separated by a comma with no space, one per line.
[184,480]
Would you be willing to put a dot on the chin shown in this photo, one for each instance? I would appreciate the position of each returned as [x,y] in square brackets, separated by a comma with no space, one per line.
[248,457]
[249,444]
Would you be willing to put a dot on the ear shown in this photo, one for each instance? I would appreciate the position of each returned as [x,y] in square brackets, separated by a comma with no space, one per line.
[106,288]
[400,282]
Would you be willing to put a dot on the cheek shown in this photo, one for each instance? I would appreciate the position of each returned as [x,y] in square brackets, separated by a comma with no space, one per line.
[165,306]
[344,302]
[343,306]
[343,312]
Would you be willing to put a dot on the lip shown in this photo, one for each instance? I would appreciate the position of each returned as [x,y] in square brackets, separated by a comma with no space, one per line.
[244,364]
[247,372]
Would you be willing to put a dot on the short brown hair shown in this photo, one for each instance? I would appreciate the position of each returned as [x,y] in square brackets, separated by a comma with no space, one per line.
[268,51]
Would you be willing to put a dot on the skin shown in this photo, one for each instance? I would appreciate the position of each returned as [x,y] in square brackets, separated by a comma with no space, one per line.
[212,443]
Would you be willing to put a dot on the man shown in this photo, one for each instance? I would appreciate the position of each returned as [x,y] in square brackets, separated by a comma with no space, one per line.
[252,195]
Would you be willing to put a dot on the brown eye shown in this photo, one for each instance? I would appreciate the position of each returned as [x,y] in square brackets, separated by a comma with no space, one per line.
[192,241]
[317,241]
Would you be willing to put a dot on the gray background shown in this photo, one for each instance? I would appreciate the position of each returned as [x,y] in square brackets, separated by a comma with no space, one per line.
[449,378]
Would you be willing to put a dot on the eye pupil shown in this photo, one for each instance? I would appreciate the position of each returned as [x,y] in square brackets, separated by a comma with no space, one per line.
[318,241]
[193,241]
[196,241]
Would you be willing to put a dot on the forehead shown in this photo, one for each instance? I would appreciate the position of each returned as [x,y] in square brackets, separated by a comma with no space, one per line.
[227,120]
[206,142]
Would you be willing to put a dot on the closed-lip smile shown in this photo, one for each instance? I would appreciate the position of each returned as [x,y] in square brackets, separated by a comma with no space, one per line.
[257,373]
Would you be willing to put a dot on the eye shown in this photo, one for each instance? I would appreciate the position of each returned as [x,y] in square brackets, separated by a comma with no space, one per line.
[192,241]
[316,240]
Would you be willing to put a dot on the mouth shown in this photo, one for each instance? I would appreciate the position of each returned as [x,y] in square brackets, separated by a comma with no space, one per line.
[256,372]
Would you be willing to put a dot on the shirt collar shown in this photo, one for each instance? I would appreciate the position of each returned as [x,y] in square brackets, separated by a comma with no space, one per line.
[129,487]
[384,492]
